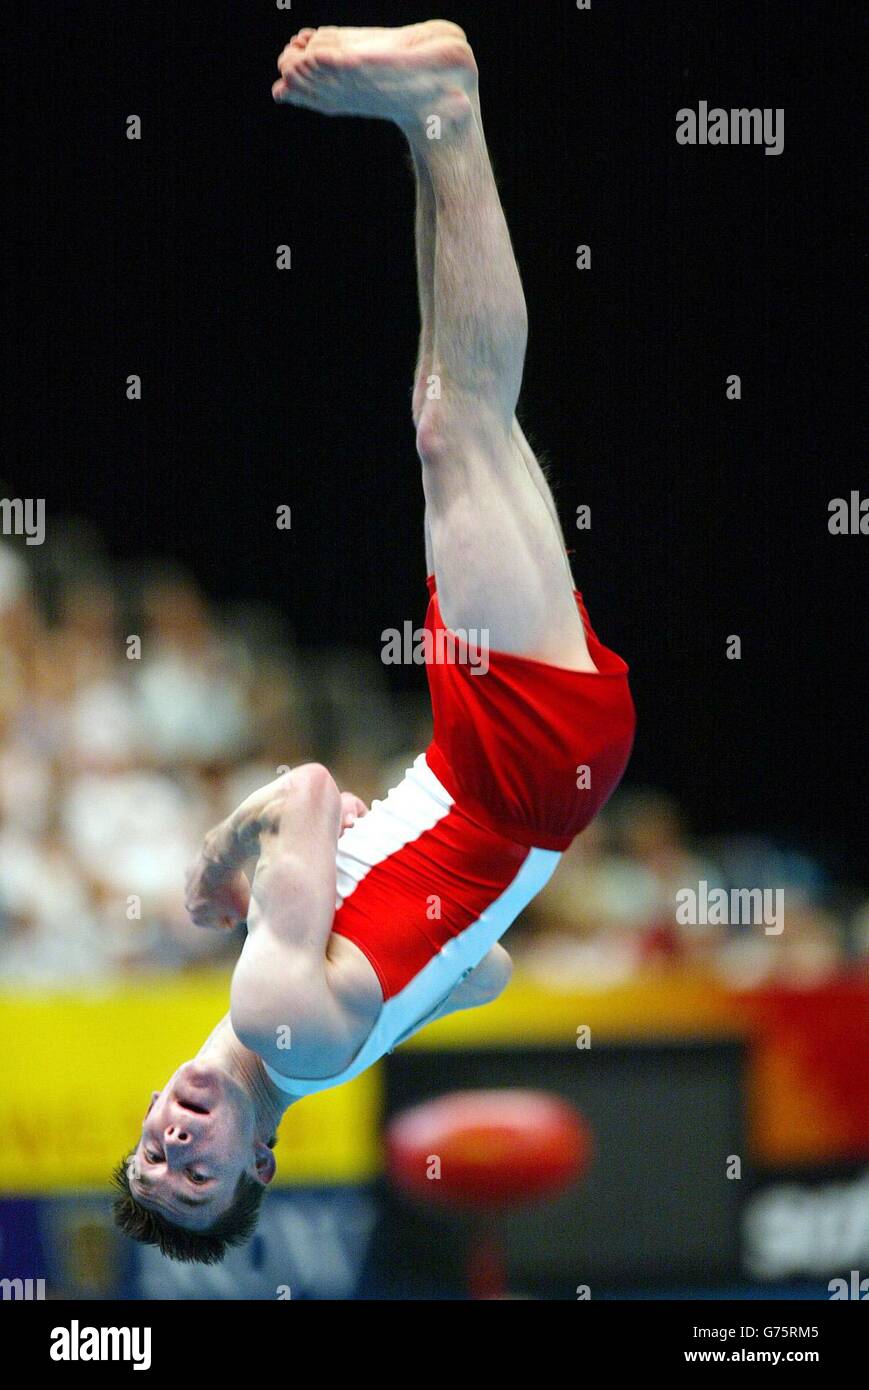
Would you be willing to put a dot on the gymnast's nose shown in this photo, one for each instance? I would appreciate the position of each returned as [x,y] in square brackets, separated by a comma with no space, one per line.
[175,1137]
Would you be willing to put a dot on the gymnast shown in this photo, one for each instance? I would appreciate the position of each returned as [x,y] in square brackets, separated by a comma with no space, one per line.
[365,925]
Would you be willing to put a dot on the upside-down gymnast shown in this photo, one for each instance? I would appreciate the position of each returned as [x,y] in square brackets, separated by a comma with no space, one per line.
[364,926]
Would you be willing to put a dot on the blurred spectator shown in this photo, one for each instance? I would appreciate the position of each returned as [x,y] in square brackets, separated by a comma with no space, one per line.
[191,702]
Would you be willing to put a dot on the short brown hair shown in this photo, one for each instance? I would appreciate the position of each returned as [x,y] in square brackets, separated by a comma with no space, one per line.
[191,1247]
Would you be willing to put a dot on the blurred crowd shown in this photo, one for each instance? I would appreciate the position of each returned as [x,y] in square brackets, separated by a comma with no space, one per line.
[133,716]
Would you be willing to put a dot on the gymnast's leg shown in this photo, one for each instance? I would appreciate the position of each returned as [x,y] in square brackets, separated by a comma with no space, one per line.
[426,239]
[495,546]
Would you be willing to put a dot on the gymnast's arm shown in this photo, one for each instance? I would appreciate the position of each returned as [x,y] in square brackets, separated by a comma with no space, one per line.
[280,979]
[218,881]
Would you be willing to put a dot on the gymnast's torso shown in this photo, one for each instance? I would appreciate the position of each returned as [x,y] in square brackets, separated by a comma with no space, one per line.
[423,893]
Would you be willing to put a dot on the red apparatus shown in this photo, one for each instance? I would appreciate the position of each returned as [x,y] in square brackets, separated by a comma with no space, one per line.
[482,1153]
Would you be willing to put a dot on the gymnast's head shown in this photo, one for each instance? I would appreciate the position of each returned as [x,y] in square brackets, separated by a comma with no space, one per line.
[194,1183]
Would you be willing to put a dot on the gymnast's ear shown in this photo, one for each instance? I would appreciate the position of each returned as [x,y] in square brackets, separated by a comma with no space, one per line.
[264,1161]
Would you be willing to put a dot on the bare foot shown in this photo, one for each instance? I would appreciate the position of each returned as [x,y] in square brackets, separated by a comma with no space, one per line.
[402,75]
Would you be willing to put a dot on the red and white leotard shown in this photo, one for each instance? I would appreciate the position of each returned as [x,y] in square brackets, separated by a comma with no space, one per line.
[522,759]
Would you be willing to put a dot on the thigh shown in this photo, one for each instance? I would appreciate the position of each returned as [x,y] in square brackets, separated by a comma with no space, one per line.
[498,560]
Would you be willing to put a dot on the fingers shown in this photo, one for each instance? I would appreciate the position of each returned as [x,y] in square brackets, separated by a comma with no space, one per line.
[213,918]
[216,897]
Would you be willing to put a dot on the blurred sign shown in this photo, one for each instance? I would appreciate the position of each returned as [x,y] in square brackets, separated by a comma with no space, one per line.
[308,1244]
[808,1226]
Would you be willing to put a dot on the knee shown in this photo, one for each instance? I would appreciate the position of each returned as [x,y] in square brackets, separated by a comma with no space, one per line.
[431,433]
[469,429]
[492,975]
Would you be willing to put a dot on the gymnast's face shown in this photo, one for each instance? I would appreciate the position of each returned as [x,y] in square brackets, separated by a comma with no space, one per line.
[198,1137]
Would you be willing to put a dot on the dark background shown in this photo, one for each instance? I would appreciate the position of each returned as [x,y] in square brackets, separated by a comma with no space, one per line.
[264,388]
